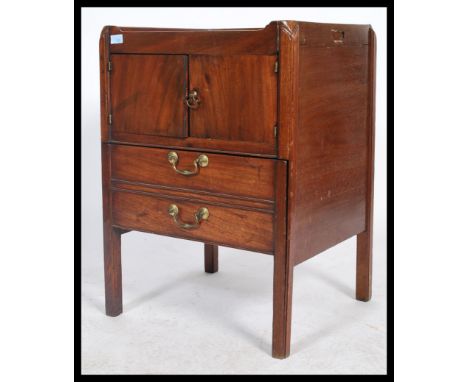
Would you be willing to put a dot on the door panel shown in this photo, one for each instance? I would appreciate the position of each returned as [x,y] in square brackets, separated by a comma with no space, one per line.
[147,95]
[238,98]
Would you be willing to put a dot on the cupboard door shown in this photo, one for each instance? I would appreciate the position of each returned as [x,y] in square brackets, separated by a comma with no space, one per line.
[238,98]
[147,96]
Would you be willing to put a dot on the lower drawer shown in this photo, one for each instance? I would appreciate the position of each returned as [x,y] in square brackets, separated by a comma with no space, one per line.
[218,224]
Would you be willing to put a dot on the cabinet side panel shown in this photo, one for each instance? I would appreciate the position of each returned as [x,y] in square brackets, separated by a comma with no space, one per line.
[331,145]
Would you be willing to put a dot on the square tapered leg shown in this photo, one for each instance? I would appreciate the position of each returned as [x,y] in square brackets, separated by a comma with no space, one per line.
[364,266]
[282,305]
[113,271]
[211,258]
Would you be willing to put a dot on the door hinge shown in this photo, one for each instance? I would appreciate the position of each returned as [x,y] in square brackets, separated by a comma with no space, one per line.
[275,130]
[276,66]
[110,119]
[109,66]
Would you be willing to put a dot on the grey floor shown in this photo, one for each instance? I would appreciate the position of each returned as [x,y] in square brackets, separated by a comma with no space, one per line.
[178,319]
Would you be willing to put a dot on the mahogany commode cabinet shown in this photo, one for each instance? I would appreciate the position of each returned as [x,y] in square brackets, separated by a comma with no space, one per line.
[257,139]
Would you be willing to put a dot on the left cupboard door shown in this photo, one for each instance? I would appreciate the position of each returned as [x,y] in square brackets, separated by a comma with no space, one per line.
[147,94]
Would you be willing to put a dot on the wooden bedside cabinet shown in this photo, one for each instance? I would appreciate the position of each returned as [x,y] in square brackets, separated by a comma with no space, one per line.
[257,139]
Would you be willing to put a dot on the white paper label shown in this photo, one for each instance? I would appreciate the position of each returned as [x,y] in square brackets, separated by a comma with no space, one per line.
[116,39]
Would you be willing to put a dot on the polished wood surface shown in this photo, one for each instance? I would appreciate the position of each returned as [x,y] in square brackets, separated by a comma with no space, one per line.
[113,272]
[147,94]
[198,196]
[196,41]
[333,35]
[364,239]
[167,135]
[292,193]
[256,149]
[238,98]
[328,178]
[282,269]
[112,262]
[225,174]
[228,226]
[288,89]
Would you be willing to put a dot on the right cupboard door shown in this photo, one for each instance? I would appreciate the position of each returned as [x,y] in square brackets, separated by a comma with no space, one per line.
[238,98]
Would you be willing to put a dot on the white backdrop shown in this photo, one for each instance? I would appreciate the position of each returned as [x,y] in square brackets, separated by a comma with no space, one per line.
[92,22]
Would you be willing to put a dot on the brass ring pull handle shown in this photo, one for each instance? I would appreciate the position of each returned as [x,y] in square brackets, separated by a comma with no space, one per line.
[201,214]
[192,100]
[201,161]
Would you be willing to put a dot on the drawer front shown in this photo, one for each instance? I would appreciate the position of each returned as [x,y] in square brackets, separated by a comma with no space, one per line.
[224,225]
[251,178]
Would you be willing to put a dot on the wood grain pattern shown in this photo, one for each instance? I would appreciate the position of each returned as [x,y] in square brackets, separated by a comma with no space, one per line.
[211,258]
[329,162]
[147,94]
[199,196]
[196,41]
[332,35]
[113,272]
[283,270]
[112,262]
[238,98]
[364,239]
[225,174]
[243,229]
[261,149]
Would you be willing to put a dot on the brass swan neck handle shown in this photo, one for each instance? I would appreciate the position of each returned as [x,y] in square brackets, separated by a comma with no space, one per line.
[201,161]
[201,214]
